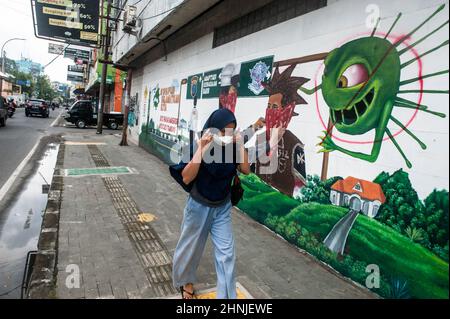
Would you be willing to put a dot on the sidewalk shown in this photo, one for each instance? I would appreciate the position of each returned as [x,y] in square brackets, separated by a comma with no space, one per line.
[122,253]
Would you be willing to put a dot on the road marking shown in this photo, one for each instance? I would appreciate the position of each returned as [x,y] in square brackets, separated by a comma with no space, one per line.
[78,172]
[74,143]
[6,187]
[56,120]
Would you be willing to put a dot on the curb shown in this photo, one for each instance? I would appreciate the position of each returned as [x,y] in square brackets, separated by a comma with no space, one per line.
[43,276]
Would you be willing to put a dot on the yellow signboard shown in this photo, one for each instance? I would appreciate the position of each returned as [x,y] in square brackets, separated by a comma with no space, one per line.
[91,36]
[62,3]
[60,12]
[66,24]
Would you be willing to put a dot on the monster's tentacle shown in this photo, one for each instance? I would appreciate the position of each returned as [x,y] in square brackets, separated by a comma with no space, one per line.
[310,91]
[400,102]
[422,145]
[404,65]
[420,26]
[408,163]
[409,47]
[424,91]
[376,27]
[419,107]
[423,77]
[393,25]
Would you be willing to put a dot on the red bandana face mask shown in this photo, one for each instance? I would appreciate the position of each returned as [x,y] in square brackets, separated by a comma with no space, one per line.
[228,101]
[278,117]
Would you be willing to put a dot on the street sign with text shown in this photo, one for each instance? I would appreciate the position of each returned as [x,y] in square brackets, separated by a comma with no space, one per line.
[77,54]
[75,68]
[70,21]
[75,77]
[54,48]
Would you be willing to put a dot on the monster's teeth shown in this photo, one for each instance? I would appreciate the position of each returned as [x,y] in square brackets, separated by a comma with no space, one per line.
[350,116]
[338,116]
[361,108]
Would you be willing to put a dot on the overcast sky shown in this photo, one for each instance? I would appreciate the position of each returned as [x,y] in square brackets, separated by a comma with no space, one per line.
[16,21]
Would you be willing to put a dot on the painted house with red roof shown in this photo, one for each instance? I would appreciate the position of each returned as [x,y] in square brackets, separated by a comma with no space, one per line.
[358,194]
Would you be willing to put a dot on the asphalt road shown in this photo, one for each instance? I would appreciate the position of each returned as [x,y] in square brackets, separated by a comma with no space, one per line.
[337,238]
[18,138]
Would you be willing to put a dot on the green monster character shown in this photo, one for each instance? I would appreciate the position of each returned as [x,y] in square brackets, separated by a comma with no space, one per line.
[360,85]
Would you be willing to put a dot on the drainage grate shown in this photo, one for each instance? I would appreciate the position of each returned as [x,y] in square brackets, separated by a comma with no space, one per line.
[150,250]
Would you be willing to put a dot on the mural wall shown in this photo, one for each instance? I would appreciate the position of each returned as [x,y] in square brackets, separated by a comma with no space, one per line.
[362,121]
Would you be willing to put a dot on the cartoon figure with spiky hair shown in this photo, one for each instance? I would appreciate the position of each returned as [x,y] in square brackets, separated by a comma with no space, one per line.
[283,98]
[361,83]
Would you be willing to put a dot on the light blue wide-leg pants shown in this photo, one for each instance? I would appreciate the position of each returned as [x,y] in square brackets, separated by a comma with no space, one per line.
[200,220]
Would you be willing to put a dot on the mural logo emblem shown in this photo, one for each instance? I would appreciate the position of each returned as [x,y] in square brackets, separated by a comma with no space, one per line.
[258,73]
[194,86]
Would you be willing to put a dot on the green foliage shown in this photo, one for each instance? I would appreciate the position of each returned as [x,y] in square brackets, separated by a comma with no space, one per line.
[301,237]
[316,190]
[416,235]
[21,76]
[369,242]
[44,89]
[398,289]
[424,222]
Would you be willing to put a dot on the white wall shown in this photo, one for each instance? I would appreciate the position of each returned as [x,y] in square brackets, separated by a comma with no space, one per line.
[322,31]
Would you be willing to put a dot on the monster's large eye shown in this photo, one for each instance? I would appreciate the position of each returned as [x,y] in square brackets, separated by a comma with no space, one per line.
[353,75]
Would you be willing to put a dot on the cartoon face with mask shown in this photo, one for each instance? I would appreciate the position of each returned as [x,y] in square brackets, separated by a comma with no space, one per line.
[283,90]
[229,80]
[290,173]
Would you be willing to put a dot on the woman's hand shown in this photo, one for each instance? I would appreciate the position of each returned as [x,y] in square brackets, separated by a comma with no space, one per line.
[205,141]
[238,139]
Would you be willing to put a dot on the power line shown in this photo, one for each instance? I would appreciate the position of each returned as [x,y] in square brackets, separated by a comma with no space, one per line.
[62,52]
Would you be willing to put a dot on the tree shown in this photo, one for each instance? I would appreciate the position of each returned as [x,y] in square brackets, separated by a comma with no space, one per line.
[316,190]
[426,223]
[44,89]
[24,77]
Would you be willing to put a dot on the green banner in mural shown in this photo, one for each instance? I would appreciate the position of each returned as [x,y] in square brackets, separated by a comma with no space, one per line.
[194,87]
[211,84]
[253,74]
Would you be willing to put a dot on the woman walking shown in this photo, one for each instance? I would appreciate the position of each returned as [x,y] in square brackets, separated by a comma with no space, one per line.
[208,208]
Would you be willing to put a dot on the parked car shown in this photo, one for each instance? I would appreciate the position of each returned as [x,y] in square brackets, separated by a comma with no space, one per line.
[83,113]
[37,107]
[3,111]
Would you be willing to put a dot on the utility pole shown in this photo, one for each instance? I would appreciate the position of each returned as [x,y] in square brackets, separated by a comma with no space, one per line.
[124,141]
[104,70]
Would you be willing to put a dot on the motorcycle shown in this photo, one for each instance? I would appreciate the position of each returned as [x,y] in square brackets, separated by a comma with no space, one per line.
[11,109]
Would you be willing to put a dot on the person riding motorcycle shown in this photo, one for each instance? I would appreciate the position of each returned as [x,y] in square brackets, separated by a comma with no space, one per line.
[11,107]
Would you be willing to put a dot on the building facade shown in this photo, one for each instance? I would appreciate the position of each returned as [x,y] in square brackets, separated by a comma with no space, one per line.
[27,66]
[361,86]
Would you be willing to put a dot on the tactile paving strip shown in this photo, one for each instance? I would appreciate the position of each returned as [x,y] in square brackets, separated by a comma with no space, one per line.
[151,252]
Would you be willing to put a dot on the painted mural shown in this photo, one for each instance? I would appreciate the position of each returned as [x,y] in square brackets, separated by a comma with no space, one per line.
[367,94]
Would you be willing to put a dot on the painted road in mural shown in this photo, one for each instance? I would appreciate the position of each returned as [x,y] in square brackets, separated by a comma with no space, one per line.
[337,238]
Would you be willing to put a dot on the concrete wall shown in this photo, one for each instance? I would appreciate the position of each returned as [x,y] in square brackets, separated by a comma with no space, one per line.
[322,31]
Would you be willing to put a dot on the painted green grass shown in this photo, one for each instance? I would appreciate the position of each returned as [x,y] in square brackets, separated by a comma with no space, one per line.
[427,274]
[369,240]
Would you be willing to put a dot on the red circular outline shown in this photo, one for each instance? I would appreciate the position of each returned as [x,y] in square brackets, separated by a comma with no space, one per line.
[421,84]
